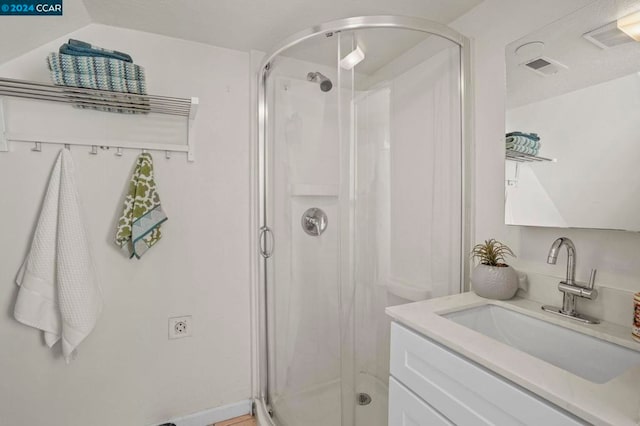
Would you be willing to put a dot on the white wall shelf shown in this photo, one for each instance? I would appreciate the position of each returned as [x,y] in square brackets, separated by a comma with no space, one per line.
[124,103]
[526,158]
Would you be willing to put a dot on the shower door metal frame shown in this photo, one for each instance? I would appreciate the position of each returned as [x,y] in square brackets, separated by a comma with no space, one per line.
[265,238]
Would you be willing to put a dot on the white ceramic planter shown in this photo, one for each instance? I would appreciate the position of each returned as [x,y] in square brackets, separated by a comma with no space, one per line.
[494,282]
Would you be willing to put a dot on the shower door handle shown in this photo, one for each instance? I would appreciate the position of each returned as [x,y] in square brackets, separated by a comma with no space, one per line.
[266,242]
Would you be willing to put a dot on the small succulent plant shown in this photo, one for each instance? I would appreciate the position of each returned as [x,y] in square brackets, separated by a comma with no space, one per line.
[491,253]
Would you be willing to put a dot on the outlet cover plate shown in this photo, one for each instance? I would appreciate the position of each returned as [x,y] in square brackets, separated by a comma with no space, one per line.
[180,327]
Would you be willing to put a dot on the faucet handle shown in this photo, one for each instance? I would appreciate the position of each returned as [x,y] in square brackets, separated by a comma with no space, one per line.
[592,279]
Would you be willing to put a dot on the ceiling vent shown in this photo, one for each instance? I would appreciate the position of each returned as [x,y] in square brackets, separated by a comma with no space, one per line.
[544,66]
[607,36]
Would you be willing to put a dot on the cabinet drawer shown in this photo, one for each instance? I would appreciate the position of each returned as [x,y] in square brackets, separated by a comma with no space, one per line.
[464,392]
[406,409]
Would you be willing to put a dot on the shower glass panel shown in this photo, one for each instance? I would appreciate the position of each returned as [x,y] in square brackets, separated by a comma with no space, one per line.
[363,194]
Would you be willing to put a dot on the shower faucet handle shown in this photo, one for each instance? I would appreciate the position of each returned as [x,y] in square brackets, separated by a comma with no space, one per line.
[314,221]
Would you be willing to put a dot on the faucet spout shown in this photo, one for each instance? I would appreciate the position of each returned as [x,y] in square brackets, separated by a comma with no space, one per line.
[571,257]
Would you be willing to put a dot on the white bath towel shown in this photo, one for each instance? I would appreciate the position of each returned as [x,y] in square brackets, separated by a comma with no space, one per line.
[59,293]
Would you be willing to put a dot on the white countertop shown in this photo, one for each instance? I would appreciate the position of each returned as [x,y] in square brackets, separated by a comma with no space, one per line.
[616,402]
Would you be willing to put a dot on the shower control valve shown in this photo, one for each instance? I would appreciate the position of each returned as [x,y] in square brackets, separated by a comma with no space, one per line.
[314,221]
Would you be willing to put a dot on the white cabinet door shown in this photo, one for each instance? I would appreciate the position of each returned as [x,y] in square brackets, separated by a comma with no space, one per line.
[464,392]
[406,409]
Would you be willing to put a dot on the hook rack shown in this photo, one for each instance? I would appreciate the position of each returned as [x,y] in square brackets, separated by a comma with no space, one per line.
[100,99]
[94,150]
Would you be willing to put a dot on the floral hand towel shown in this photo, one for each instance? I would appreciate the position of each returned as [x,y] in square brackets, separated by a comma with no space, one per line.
[139,226]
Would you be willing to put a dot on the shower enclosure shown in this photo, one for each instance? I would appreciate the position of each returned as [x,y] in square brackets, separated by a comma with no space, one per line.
[362,158]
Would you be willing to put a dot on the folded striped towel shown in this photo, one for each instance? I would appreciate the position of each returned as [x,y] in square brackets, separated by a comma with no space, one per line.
[62,63]
[99,81]
[526,143]
[142,109]
[82,48]
[524,150]
[532,136]
[135,104]
[522,141]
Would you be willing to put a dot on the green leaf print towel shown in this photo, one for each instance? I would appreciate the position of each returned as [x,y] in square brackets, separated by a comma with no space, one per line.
[139,227]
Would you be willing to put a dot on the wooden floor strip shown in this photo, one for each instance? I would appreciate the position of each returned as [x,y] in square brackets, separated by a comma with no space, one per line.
[246,420]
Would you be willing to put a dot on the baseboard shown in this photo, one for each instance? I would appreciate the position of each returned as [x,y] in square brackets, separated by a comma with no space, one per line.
[213,415]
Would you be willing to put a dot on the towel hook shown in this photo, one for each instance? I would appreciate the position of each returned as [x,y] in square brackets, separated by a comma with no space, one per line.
[119,152]
[37,148]
[167,155]
[144,151]
[94,150]
[67,146]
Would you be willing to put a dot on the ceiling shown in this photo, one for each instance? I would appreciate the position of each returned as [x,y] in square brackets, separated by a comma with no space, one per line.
[235,24]
[587,64]
[380,45]
[255,24]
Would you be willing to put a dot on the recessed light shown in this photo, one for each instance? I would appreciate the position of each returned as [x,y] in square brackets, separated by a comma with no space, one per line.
[630,25]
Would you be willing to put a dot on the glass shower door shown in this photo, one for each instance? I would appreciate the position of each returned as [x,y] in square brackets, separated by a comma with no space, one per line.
[407,195]
[304,274]
[363,194]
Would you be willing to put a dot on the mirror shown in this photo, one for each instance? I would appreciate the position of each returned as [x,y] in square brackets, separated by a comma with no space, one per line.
[575,86]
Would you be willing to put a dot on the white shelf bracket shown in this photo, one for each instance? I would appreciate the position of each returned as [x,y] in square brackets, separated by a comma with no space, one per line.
[4,143]
[193,111]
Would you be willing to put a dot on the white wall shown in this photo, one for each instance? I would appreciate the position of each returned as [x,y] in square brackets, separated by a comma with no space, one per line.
[33,31]
[493,25]
[127,371]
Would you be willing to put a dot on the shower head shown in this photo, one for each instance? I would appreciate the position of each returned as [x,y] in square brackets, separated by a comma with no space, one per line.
[316,77]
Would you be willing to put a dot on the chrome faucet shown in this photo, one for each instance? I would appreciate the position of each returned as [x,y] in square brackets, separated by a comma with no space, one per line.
[569,287]
[552,258]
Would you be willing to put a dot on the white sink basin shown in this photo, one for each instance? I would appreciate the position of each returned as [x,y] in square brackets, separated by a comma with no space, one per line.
[588,357]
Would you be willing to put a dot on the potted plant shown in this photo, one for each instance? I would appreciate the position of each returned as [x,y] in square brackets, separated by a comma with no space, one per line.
[492,277]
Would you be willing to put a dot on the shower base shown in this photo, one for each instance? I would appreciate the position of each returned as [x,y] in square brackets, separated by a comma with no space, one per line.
[318,406]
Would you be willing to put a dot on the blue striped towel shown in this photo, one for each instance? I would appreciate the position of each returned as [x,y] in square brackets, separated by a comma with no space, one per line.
[532,136]
[526,143]
[62,63]
[521,141]
[99,81]
[102,103]
[104,82]
[524,150]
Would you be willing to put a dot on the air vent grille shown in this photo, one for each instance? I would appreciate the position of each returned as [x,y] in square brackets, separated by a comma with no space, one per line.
[538,63]
[607,36]
[544,66]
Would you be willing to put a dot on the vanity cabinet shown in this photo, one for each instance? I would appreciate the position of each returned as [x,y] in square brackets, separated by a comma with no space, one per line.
[407,409]
[433,385]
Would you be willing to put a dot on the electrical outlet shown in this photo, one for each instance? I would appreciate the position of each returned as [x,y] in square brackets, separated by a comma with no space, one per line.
[180,327]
